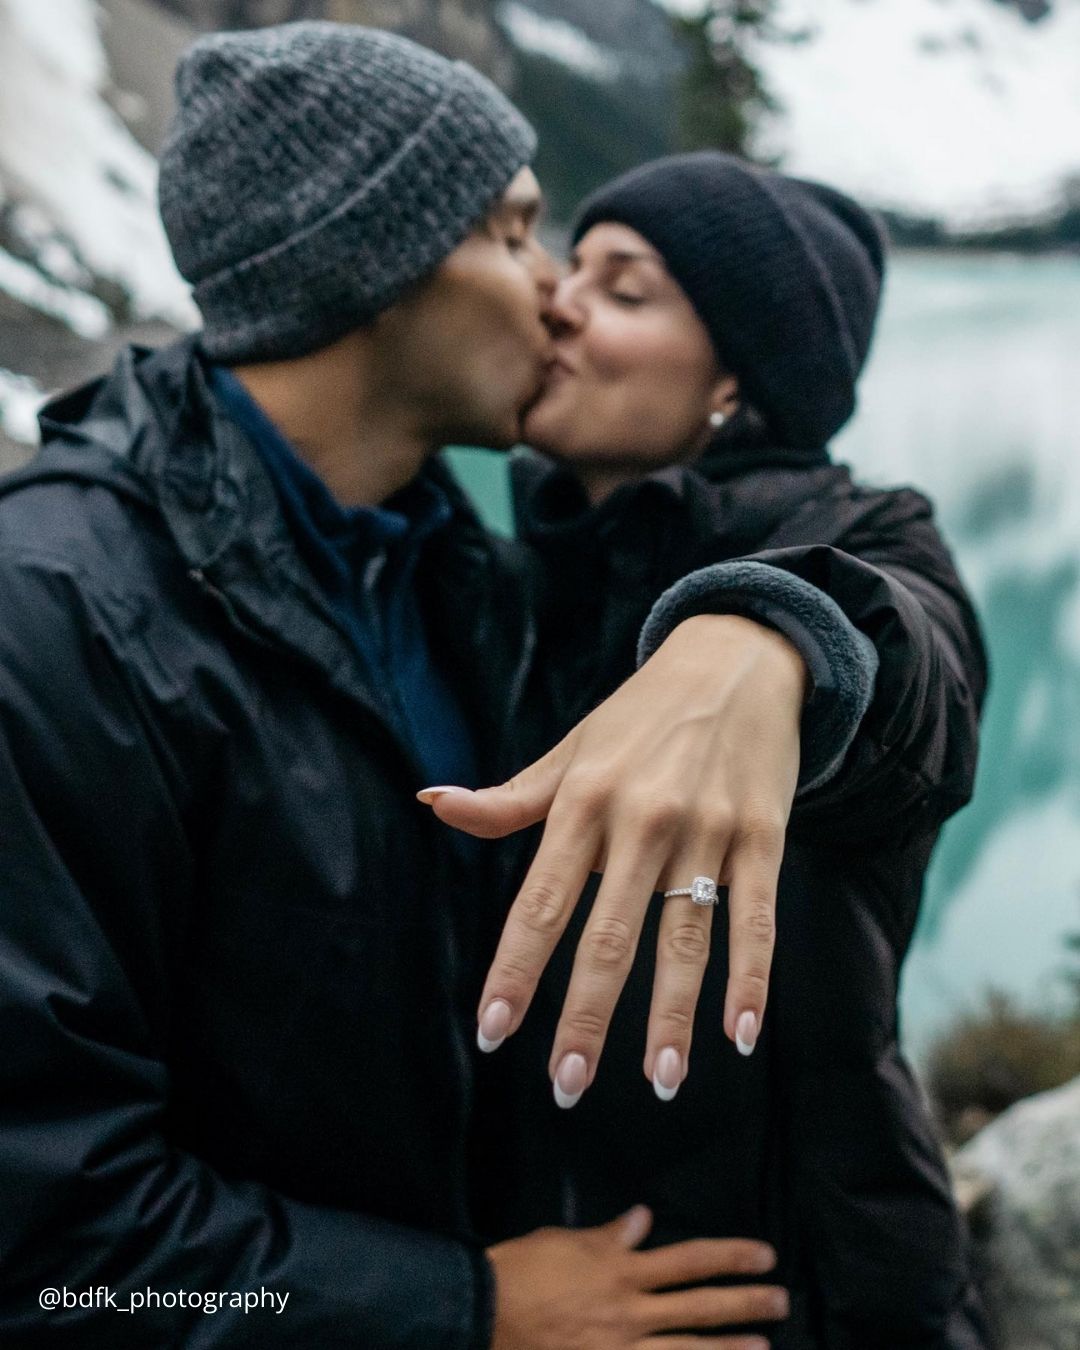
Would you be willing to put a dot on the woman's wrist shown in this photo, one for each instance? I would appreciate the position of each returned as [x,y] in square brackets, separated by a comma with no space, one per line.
[721,632]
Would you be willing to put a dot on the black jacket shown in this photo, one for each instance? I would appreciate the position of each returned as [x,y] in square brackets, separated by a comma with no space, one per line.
[820,1141]
[236,998]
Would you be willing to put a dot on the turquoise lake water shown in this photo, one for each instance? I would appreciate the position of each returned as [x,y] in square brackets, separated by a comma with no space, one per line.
[973,395]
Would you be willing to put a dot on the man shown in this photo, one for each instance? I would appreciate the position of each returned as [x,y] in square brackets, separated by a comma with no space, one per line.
[245,618]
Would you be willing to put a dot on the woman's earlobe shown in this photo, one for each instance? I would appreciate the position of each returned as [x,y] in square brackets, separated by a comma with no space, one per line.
[725,400]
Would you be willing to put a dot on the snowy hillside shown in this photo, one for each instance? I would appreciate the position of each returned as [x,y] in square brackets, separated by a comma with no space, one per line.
[62,148]
[955,109]
[80,241]
[960,111]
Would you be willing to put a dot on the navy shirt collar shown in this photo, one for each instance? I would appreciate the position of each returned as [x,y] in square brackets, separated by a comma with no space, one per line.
[409,516]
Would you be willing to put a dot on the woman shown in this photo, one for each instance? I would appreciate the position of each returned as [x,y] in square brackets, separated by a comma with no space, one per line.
[710,333]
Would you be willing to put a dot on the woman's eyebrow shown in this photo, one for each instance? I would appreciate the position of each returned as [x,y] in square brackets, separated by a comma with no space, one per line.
[627,256]
[620,257]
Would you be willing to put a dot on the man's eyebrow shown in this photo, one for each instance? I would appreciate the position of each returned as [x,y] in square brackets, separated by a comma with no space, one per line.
[528,205]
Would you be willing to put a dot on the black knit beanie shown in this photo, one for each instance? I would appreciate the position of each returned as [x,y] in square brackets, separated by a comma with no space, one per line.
[785,274]
[314,171]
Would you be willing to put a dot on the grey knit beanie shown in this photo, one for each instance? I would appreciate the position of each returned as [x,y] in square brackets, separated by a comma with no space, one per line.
[314,171]
[785,274]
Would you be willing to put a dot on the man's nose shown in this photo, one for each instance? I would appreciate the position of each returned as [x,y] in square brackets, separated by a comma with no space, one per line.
[545,271]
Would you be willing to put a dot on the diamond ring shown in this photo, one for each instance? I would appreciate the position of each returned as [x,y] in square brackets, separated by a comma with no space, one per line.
[702,891]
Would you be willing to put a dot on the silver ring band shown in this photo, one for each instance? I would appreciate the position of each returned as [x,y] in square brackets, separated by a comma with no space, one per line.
[702,891]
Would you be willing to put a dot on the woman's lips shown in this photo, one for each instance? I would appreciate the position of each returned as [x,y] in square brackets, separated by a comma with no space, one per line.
[556,369]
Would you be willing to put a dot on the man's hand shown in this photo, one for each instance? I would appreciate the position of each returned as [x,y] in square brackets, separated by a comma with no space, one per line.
[689,769]
[587,1289]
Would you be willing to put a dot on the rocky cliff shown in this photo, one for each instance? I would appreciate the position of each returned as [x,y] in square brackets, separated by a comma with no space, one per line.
[460,28]
[1021,1179]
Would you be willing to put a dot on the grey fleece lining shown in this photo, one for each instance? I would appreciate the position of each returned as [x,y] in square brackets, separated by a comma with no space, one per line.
[842,661]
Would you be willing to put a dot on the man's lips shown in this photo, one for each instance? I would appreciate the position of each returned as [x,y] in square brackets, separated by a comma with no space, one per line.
[547,370]
[552,368]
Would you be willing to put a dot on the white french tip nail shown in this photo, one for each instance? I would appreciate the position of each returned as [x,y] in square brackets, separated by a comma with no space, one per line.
[494,1025]
[429,794]
[746,1033]
[668,1066]
[570,1081]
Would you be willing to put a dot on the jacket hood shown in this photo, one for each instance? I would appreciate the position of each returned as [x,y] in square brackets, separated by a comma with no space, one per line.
[88,433]
[152,430]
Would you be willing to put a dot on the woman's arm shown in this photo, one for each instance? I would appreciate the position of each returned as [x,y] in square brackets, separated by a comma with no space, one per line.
[885,593]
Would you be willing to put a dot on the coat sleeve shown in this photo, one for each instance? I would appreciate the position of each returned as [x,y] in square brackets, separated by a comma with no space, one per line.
[95,872]
[910,757]
[841,662]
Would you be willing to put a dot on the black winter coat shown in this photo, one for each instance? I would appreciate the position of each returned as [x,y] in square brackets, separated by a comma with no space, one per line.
[236,1003]
[819,1142]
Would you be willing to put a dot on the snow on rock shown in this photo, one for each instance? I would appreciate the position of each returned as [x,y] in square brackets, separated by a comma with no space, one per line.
[958,110]
[559,41]
[20,399]
[64,152]
[82,313]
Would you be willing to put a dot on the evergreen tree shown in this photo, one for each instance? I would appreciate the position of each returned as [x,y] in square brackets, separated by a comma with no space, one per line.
[722,96]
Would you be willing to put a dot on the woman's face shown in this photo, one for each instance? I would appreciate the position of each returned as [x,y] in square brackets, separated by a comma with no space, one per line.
[636,376]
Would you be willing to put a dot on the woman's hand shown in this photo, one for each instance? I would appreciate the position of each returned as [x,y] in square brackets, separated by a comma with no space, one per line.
[689,769]
[587,1289]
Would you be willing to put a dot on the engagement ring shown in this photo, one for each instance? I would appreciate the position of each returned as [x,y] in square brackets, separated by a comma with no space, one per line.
[702,891]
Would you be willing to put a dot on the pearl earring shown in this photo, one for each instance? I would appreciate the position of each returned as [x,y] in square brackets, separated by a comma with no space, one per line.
[716,420]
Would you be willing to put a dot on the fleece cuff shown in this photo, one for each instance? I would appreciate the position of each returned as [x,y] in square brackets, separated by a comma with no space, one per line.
[842,662]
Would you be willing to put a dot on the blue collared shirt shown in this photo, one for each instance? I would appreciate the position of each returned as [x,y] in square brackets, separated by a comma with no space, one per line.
[365,558]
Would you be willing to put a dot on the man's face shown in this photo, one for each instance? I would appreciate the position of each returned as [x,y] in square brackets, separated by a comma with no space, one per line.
[468,349]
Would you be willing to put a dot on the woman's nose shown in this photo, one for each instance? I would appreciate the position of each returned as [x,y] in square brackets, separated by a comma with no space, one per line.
[564,313]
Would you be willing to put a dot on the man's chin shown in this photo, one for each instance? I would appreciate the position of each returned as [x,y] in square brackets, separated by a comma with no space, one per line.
[514,430]
[536,429]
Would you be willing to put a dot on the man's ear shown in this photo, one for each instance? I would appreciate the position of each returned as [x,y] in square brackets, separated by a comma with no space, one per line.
[725,395]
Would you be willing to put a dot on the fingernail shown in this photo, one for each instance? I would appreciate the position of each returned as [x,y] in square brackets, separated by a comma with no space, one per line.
[428,795]
[761,1261]
[494,1025]
[746,1033]
[667,1073]
[781,1304]
[570,1079]
[636,1224]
